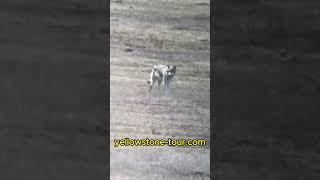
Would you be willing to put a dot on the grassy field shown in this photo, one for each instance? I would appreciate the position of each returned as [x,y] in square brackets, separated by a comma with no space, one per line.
[145,33]
[266,86]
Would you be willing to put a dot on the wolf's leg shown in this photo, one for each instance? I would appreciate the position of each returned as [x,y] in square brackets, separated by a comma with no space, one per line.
[151,85]
[159,83]
[166,82]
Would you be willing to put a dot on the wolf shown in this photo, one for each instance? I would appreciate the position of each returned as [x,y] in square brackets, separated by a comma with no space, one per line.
[161,73]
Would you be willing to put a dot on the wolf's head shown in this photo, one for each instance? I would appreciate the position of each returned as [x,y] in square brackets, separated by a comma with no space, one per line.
[171,70]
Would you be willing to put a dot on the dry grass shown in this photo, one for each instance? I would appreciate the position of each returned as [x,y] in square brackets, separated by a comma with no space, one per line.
[142,35]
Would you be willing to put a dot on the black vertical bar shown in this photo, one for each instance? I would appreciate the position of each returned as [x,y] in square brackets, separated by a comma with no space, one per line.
[212,115]
[107,86]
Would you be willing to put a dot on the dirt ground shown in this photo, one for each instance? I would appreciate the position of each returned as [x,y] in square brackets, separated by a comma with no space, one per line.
[145,33]
[266,58]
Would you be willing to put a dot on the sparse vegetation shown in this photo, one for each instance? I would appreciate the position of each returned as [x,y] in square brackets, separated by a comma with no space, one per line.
[160,32]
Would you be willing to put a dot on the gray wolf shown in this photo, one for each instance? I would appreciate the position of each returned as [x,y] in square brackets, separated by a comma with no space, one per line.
[161,73]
